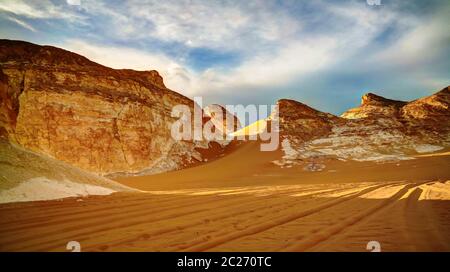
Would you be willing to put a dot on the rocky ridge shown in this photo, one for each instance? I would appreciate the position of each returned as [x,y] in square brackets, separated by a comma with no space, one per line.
[379,130]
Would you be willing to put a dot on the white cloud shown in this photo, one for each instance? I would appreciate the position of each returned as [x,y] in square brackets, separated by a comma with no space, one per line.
[293,60]
[302,55]
[195,23]
[118,57]
[21,23]
[175,76]
[274,46]
[417,53]
[22,8]
[422,43]
[42,9]
[74,2]
[205,24]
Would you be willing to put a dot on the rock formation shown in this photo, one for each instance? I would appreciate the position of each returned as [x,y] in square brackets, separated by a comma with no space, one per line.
[100,119]
[111,121]
[379,129]
[373,105]
[303,121]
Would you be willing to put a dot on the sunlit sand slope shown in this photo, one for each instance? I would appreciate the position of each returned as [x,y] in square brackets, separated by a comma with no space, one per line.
[246,165]
[28,176]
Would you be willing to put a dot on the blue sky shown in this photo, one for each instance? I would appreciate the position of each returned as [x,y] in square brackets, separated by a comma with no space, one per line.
[323,53]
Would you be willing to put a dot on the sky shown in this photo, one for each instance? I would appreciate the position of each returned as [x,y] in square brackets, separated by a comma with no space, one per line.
[326,54]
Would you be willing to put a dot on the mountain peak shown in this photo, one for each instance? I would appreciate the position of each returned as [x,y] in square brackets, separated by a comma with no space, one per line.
[374,105]
[289,107]
[292,109]
[303,121]
[371,98]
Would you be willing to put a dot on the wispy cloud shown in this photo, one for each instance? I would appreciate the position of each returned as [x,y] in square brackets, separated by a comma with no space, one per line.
[226,25]
[42,9]
[424,42]
[21,23]
[265,49]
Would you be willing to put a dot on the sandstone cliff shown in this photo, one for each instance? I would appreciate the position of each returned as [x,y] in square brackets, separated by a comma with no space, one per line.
[100,119]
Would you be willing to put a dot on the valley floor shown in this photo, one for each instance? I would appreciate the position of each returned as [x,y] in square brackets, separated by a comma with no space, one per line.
[405,216]
[249,205]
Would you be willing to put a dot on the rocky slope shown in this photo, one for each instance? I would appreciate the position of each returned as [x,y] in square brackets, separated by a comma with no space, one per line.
[100,119]
[28,176]
[379,130]
[303,122]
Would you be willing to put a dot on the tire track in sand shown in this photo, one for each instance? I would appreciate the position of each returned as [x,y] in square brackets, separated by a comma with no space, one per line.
[278,221]
[307,243]
[237,210]
[99,226]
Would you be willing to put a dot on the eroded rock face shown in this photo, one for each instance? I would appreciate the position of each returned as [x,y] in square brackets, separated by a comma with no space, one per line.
[104,120]
[379,130]
[431,108]
[373,105]
[422,116]
[303,121]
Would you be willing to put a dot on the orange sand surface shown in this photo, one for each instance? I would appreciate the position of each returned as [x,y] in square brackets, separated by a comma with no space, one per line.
[243,202]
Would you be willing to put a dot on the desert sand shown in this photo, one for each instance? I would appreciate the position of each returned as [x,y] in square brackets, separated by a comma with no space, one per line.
[243,202]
